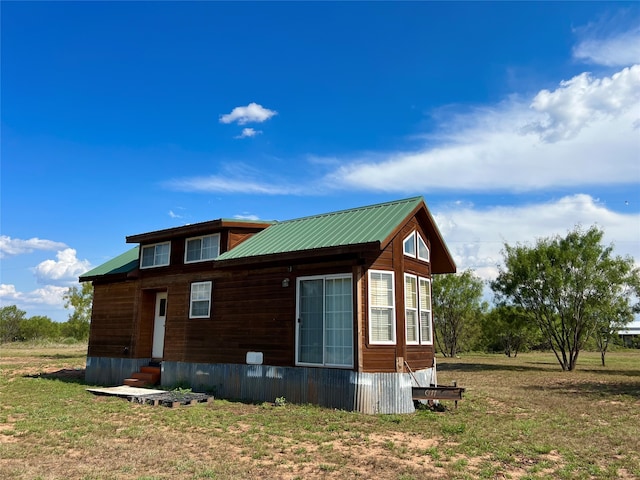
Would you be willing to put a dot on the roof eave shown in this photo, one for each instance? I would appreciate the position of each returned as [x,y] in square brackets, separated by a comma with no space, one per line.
[211,226]
[444,262]
[300,255]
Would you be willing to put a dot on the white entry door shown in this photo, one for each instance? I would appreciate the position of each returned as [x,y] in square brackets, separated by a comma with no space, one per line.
[158,325]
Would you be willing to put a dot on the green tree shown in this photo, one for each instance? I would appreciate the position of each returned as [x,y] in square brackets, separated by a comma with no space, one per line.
[38,328]
[509,329]
[11,317]
[457,306]
[568,284]
[80,299]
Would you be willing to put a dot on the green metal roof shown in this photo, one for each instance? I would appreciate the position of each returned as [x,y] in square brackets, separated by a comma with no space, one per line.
[363,225]
[124,263]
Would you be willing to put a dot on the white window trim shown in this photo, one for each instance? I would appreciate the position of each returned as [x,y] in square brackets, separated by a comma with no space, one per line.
[191,300]
[418,240]
[186,242]
[411,236]
[416,310]
[324,332]
[142,249]
[420,310]
[393,308]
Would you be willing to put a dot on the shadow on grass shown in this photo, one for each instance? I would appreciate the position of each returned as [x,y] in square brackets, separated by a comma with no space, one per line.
[530,367]
[486,367]
[62,356]
[65,375]
[599,389]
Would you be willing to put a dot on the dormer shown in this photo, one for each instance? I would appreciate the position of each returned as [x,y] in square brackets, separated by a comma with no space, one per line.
[195,243]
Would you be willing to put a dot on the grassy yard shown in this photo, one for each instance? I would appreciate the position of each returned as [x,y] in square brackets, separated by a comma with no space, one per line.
[522,418]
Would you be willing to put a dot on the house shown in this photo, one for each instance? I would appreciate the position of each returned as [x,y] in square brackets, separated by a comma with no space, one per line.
[332,309]
[630,333]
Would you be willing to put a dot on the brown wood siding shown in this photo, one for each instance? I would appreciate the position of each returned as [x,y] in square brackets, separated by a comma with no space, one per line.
[377,358]
[251,310]
[391,358]
[236,237]
[113,320]
[419,357]
[146,313]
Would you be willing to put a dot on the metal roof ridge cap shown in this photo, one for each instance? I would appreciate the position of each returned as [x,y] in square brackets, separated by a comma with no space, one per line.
[347,210]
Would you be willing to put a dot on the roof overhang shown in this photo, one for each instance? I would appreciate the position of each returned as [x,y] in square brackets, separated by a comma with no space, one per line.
[311,256]
[196,229]
[441,259]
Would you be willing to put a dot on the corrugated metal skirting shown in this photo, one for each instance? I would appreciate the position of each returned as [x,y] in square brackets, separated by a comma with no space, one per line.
[370,393]
[343,389]
[111,371]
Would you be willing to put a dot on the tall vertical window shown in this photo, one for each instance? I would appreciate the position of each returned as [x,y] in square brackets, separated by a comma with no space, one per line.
[426,333]
[417,295]
[200,304]
[155,255]
[324,332]
[199,249]
[382,328]
[411,309]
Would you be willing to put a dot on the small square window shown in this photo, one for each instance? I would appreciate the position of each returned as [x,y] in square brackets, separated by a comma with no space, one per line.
[155,255]
[200,249]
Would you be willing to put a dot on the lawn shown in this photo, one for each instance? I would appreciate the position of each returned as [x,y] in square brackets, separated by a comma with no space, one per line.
[522,418]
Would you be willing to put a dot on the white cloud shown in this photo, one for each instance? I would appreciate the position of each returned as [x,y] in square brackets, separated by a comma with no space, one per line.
[565,137]
[239,178]
[15,246]
[246,217]
[49,295]
[248,133]
[583,100]
[63,271]
[476,237]
[602,44]
[224,184]
[562,138]
[252,113]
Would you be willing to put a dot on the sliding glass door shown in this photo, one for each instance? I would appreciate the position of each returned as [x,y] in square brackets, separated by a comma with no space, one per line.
[324,333]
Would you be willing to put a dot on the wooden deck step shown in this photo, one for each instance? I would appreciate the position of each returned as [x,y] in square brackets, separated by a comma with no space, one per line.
[135,382]
[150,378]
[147,376]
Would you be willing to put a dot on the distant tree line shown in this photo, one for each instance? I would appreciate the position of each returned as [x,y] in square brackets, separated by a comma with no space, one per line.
[16,327]
[562,294]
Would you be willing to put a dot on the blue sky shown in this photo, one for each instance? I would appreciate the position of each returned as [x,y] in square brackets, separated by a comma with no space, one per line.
[514,121]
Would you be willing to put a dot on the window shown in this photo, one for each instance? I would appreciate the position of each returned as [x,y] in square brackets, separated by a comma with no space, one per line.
[409,245]
[418,328]
[414,246]
[382,329]
[423,250]
[411,308]
[155,255]
[426,334]
[324,332]
[200,305]
[199,249]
